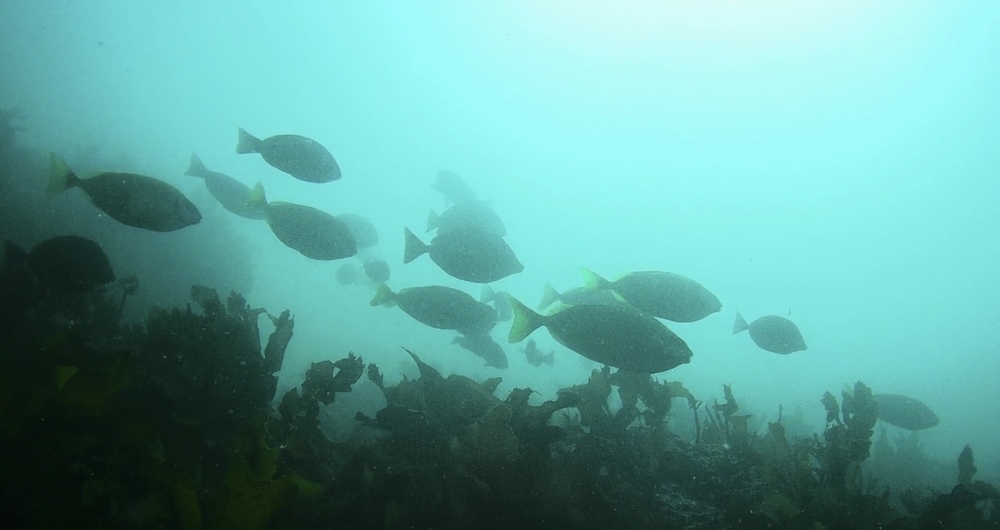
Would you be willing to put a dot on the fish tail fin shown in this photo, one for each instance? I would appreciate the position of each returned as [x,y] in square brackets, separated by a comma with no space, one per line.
[248,143]
[740,324]
[383,295]
[433,221]
[414,247]
[61,177]
[196,168]
[549,297]
[591,280]
[487,294]
[525,321]
[257,200]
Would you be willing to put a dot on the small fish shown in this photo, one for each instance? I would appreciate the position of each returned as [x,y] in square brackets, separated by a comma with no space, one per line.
[485,347]
[535,356]
[133,200]
[231,193]
[465,255]
[475,216]
[905,412]
[347,274]
[377,271]
[622,337]
[363,230]
[772,333]
[661,294]
[453,187]
[300,157]
[314,233]
[440,308]
[500,301]
[70,263]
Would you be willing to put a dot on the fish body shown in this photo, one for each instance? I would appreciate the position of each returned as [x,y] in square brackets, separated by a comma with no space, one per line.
[662,294]
[535,356]
[579,296]
[474,216]
[70,263]
[231,193]
[483,346]
[772,333]
[364,232]
[134,200]
[300,157]
[905,412]
[622,337]
[453,187]
[440,307]
[314,233]
[377,271]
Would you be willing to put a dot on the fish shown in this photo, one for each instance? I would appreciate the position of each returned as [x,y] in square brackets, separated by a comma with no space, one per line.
[453,187]
[440,307]
[133,200]
[314,233]
[772,333]
[578,296]
[662,294]
[500,302]
[70,263]
[905,412]
[475,216]
[365,233]
[231,193]
[468,256]
[300,157]
[377,271]
[622,337]
[347,274]
[535,356]
[485,347]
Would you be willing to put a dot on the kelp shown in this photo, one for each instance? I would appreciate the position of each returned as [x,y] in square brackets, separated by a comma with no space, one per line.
[172,424]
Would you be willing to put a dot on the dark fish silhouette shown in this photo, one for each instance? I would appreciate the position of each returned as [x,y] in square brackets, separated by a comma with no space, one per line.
[441,308]
[300,157]
[231,193]
[622,337]
[314,233]
[905,412]
[469,256]
[661,294]
[772,333]
[133,200]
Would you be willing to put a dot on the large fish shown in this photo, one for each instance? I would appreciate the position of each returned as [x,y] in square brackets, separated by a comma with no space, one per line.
[661,294]
[469,256]
[231,193]
[314,233]
[300,157]
[440,308]
[133,200]
[772,333]
[475,216]
[622,337]
[484,347]
[67,263]
[905,412]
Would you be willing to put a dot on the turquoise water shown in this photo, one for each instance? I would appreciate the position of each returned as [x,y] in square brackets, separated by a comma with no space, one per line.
[835,163]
